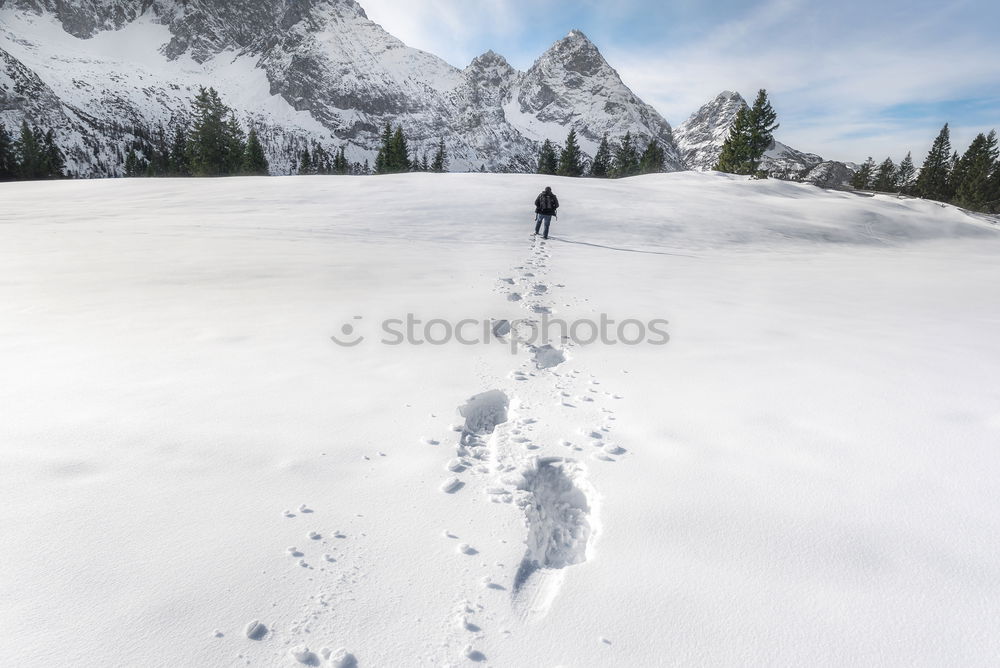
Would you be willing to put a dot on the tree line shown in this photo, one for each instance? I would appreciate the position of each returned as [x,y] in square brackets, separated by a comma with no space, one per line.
[214,144]
[622,159]
[394,155]
[971,181]
[31,154]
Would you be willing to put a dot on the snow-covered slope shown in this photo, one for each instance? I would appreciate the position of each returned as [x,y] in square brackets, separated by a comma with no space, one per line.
[804,475]
[700,139]
[308,70]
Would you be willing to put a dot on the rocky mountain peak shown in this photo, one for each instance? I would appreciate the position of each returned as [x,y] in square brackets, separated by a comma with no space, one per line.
[487,81]
[575,53]
[491,60]
[728,95]
[315,13]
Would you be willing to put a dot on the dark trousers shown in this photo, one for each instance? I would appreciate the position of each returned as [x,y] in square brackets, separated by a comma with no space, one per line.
[542,218]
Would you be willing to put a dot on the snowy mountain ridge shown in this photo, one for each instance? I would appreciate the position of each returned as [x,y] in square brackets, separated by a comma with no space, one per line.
[316,70]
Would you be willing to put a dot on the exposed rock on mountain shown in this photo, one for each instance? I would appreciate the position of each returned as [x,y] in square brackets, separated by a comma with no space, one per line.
[573,86]
[700,139]
[701,136]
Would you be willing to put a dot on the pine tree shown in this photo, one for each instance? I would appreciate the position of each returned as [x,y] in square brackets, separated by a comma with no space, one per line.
[215,143]
[762,126]
[179,162]
[29,154]
[320,160]
[235,144]
[305,162]
[905,174]
[932,182]
[340,164]
[55,162]
[393,156]
[864,178]
[159,163]
[399,155]
[548,163]
[885,177]
[974,172]
[735,155]
[206,143]
[750,136]
[570,159]
[382,158]
[626,162]
[440,162]
[993,190]
[254,160]
[652,158]
[131,163]
[8,162]
[600,168]
[954,176]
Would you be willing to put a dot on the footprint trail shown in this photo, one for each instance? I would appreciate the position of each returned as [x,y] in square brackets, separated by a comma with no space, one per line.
[506,449]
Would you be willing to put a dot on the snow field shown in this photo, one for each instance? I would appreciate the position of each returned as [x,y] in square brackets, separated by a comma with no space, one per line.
[803,475]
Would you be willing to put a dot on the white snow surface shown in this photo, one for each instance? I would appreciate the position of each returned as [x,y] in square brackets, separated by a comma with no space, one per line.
[804,475]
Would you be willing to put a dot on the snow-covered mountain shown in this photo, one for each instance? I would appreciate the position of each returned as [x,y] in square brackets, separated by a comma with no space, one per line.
[103,72]
[700,139]
[309,70]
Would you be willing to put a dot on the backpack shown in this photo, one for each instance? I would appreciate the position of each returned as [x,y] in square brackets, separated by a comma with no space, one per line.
[547,202]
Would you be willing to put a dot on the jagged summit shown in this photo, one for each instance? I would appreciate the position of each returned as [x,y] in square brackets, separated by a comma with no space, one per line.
[489,59]
[577,54]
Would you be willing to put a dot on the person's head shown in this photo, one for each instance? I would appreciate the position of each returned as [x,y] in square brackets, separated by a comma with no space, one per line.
[548,190]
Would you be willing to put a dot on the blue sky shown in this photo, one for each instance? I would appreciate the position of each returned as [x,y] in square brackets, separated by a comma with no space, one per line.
[848,78]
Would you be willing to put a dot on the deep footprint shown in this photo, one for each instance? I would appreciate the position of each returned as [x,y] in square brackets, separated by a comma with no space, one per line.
[558,510]
[482,413]
[547,357]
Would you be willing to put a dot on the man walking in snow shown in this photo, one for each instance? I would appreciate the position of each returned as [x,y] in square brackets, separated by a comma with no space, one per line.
[546,205]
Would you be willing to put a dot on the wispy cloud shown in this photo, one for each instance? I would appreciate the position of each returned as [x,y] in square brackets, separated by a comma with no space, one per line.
[833,75]
[452,29]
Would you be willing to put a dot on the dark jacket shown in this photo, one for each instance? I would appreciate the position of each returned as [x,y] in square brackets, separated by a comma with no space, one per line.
[546,203]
